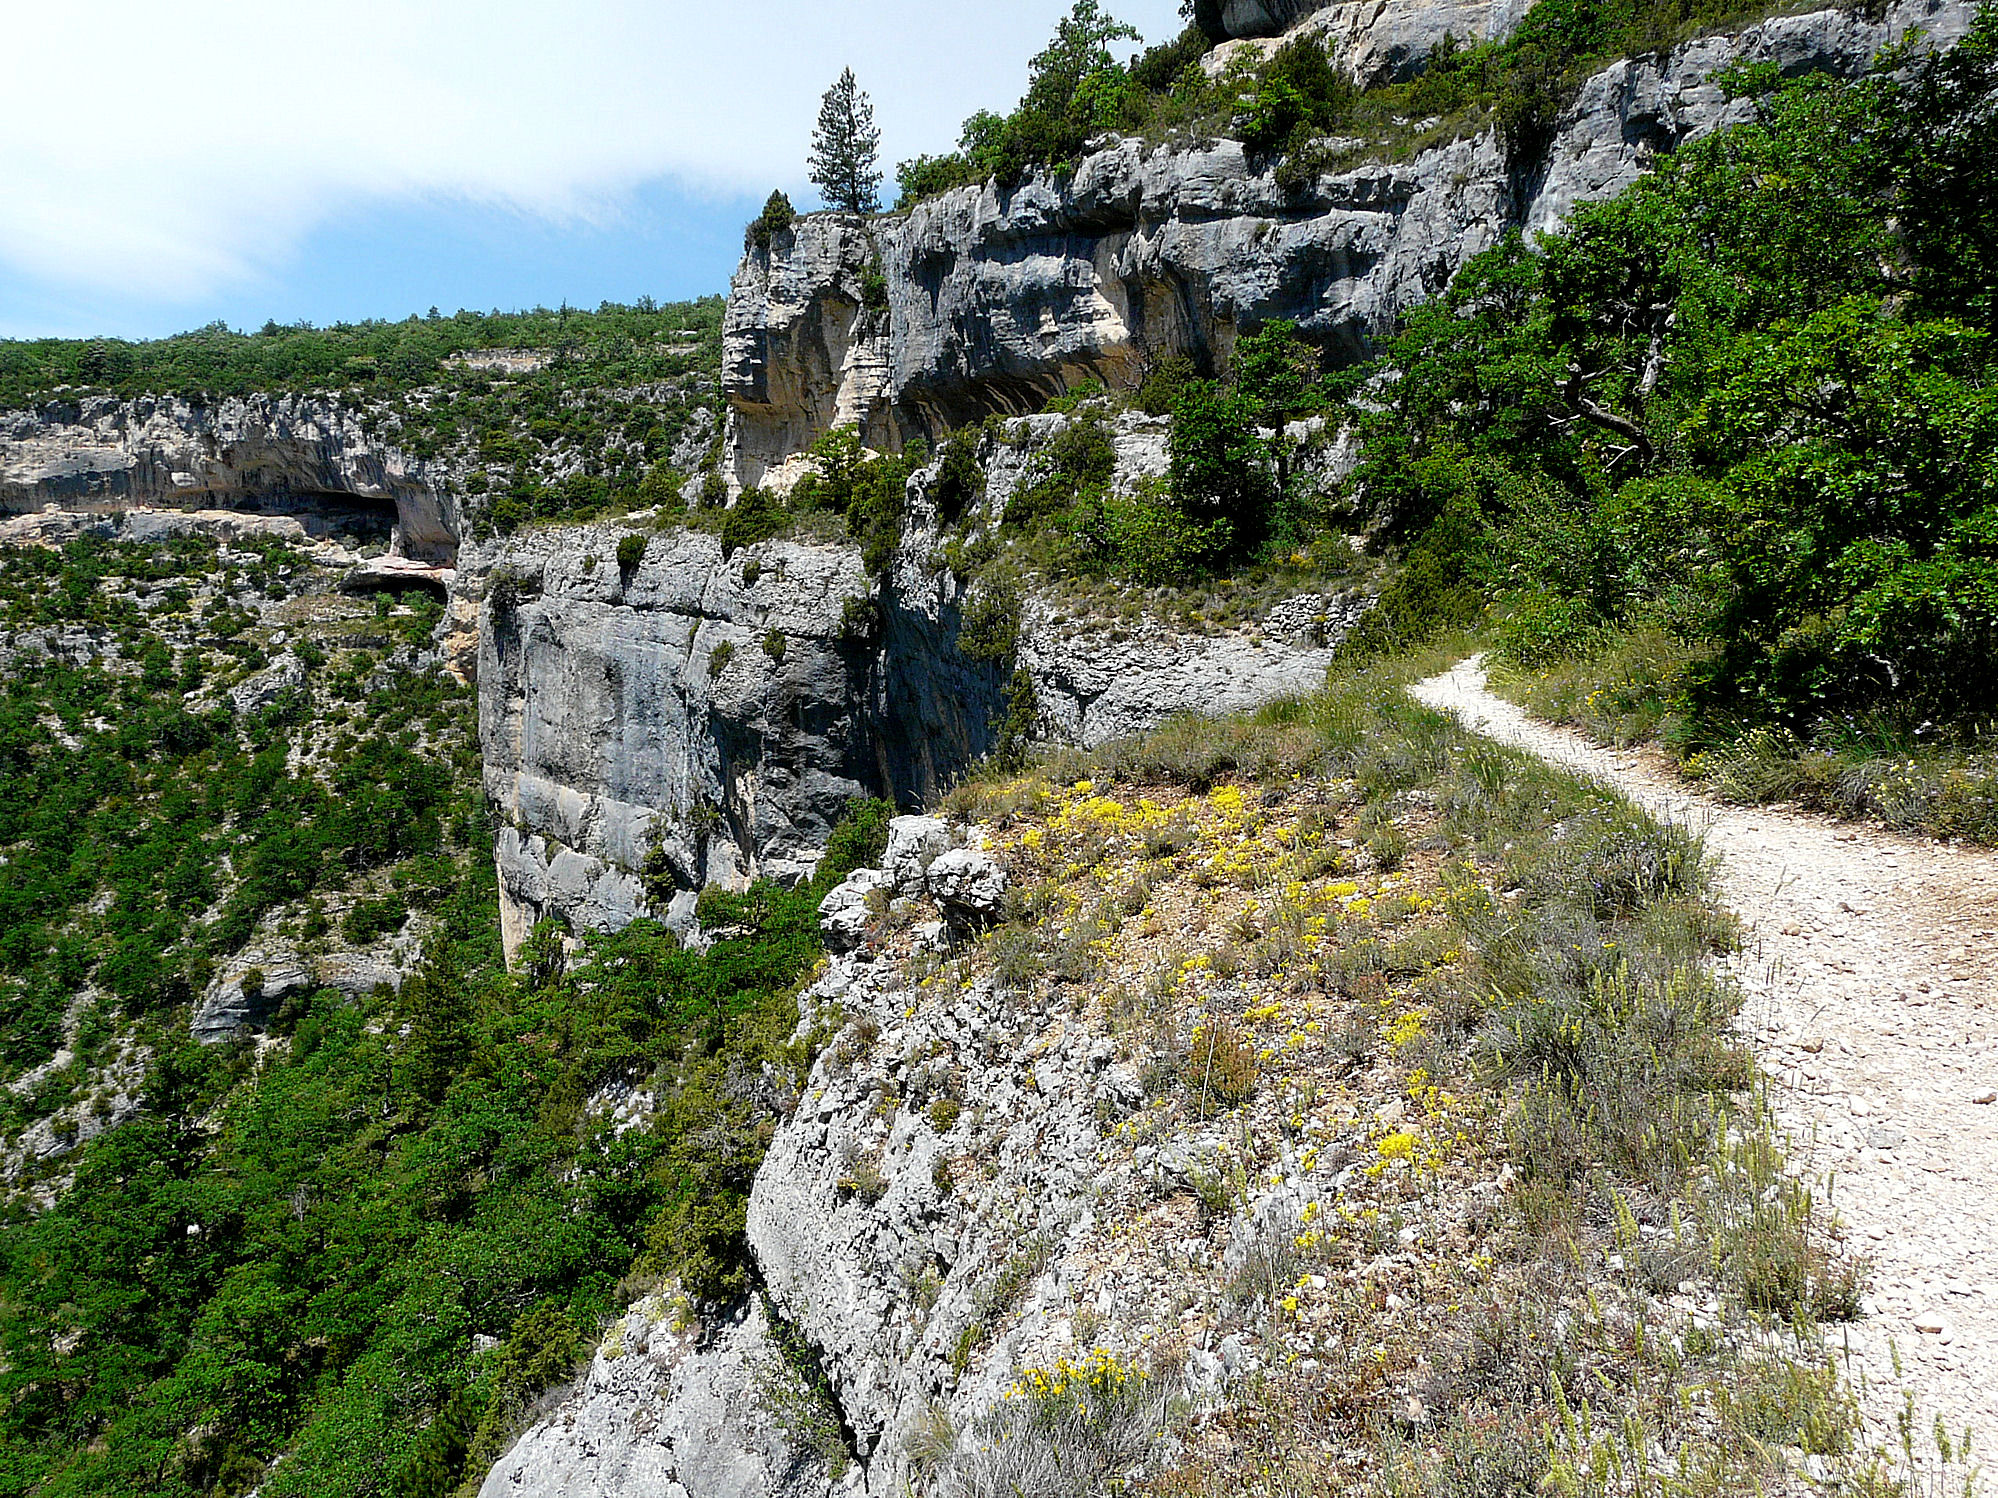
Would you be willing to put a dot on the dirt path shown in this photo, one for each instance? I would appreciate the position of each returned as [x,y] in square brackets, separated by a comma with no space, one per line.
[1871,961]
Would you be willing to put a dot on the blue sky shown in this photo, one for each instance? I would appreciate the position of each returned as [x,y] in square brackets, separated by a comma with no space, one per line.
[166,167]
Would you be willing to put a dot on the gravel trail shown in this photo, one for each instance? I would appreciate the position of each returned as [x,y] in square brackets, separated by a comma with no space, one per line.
[1871,963]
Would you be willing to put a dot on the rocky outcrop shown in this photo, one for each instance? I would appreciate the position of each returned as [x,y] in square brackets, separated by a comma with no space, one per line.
[306,457]
[1375,41]
[703,718]
[936,1216]
[997,301]
[255,984]
[669,1409]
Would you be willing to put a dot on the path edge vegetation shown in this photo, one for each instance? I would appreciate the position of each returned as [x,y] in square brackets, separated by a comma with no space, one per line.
[1642,1144]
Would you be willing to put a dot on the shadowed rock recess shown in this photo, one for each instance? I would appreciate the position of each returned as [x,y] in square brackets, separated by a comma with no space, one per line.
[302,457]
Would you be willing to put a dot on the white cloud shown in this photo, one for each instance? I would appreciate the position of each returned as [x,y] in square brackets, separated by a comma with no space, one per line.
[165,151]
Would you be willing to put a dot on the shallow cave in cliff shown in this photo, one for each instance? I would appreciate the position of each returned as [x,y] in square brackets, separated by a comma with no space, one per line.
[353,520]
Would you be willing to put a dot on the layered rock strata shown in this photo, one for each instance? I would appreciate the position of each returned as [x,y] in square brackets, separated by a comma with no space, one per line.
[306,457]
[703,717]
[997,301]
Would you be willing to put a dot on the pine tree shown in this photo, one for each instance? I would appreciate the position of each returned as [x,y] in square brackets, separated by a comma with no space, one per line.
[846,147]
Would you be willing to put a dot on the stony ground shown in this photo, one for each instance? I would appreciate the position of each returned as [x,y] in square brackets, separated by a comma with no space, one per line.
[1871,959]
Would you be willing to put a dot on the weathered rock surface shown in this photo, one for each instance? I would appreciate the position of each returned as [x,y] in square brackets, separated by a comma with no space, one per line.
[967,883]
[305,457]
[268,687]
[666,1411]
[999,300]
[914,843]
[843,913]
[927,1295]
[1092,687]
[704,719]
[1374,40]
[709,714]
[232,1005]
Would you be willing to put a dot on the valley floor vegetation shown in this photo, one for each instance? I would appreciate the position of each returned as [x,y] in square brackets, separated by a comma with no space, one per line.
[214,1257]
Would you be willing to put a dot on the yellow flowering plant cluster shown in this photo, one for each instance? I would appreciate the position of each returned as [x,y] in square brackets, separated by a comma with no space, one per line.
[1101,1378]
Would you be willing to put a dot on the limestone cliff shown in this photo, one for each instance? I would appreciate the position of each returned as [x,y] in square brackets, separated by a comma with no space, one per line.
[997,301]
[703,717]
[704,714]
[1371,39]
[309,457]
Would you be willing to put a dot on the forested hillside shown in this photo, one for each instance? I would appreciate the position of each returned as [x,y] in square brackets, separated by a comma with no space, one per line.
[216,1254]
[519,416]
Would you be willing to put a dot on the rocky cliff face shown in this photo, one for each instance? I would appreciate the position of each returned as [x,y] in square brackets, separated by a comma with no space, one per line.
[950,1189]
[302,456]
[704,717]
[999,300]
[668,1409]
[703,714]
[1374,40]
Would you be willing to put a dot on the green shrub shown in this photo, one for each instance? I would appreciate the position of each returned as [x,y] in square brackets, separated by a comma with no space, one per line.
[1538,629]
[777,217]
[869,492]
[756,516]
[1078,460]
[630,552]
[369,920]
[1164,383]
[1220,469]
[960,479]
[858,841]
[989,624]
[1299,91]
[719,657]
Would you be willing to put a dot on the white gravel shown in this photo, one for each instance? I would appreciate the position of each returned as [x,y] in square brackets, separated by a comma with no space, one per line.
[1871,964]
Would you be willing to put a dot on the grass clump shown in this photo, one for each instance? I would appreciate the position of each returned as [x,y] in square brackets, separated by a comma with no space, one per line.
[1220,1067]
[1065,1430]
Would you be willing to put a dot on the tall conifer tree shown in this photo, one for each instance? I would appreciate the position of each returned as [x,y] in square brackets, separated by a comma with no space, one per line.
[846,147]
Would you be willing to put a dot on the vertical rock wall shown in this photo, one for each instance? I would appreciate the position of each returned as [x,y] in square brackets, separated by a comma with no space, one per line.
[702,717]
